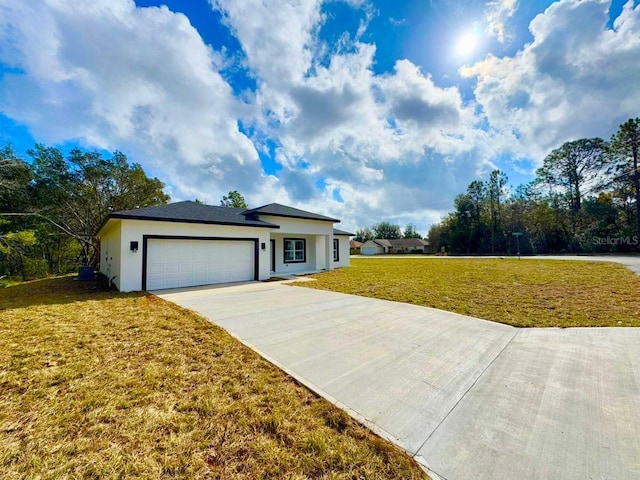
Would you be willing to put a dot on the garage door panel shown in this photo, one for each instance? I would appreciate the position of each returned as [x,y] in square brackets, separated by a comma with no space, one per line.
[186,268]
[173,263]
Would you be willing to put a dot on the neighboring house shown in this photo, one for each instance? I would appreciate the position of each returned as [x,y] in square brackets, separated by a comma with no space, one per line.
[354,247]
[376,246]
[379,246]
[187,244]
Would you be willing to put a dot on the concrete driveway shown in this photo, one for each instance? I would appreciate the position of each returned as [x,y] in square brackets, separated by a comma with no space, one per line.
[468,398]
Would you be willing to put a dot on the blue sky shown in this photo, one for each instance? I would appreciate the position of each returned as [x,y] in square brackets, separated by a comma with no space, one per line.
[363,110]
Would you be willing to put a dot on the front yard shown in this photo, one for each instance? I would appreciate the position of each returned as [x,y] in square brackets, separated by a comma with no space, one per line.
[107,385]
[523,293]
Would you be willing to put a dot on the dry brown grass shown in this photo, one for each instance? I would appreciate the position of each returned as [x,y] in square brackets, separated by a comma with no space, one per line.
[523,293]
[107,385]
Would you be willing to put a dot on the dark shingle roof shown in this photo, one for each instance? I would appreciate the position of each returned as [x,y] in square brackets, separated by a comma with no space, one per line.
[401,242]
[278,210]
[342,232]
[192,212]
[407,242]
[383,242]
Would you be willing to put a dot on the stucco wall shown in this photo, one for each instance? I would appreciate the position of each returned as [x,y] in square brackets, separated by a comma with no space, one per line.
[343,247]
[133,230]
[299,226]
[110,252]
[307,229]
[313,256]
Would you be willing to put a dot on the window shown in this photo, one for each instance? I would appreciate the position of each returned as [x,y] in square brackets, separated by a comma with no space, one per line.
[336,250]
[295,250]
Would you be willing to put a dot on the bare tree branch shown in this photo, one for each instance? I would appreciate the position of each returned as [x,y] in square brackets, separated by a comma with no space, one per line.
[79,237]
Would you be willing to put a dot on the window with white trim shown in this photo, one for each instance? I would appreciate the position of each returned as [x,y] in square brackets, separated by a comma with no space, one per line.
[336,250]
[295,250]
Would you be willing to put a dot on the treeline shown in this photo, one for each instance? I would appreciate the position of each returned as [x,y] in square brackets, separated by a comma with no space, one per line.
[52,205]
[585,198]
[386,230]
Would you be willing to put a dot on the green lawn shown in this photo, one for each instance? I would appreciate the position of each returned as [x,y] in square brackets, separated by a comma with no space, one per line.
[108,385]
[524,293]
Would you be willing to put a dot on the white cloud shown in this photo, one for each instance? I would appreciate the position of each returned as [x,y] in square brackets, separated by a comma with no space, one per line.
[394,147]
[379,140]
[278,38]
[577,78]
[376,140]
[497,13]
[137,79]
[397,22]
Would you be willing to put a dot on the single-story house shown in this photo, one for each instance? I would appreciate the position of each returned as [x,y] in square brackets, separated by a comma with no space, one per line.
[375,246]
[354,247]
[378,246]
[188,244]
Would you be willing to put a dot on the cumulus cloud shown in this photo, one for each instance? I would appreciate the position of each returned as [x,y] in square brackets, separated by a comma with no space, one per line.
[137,79]
[375,139]
[352,143]
[413,97]
[497,13]
[578,78]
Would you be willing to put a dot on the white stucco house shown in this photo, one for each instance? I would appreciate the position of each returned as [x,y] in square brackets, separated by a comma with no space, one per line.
[188,244]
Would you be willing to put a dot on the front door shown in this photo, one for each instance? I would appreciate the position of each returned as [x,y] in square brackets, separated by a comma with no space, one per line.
[273,255]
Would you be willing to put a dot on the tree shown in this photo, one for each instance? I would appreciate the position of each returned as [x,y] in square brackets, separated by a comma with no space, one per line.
[101,186]
[363,234]
[586,194]
[623,153]
[436,237]
[51,210]
[14,173]
[497,183]
[386,230]
[14,247]
[15,181]
[572,166]
[17,237]
[475,213]
[410,231]
[463,229]
[76,194]
[233,199]
[477,192]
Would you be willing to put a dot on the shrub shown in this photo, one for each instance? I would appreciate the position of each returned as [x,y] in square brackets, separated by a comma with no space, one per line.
[34,268]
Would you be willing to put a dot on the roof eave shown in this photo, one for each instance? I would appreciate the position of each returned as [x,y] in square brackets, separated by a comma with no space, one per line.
[182,220]
[301,217]
[104,224]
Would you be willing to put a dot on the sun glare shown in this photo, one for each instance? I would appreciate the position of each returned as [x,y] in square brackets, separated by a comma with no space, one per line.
[467,43]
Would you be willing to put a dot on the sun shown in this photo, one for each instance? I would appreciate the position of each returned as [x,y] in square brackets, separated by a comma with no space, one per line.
[466,45]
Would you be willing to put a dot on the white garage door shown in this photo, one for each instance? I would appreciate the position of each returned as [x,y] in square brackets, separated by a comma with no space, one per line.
[368,251]
[187,263]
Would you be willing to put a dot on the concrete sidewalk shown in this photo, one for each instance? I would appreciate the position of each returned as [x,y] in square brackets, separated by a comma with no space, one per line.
[470,399]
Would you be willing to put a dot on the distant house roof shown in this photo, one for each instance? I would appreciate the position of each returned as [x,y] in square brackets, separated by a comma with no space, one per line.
[382,242]
[407,242]
[355,244]
[192,212]
[400,242]
[278,210]
[342,232]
